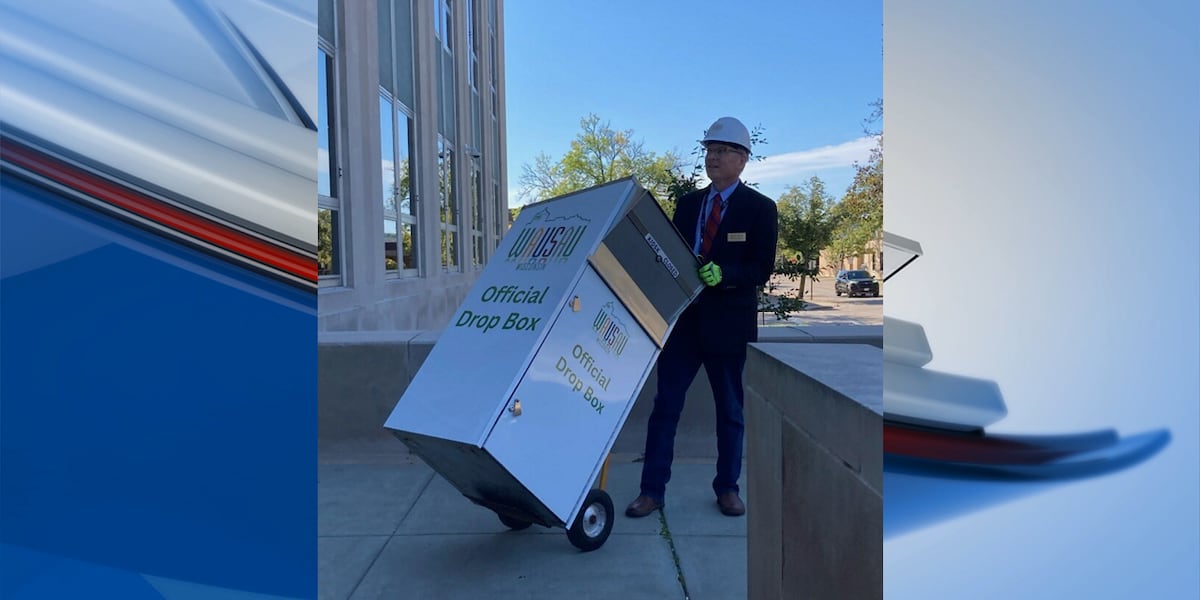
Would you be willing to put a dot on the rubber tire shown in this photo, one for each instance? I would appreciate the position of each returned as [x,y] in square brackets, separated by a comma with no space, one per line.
[837,292]
[513,524]
[596,507]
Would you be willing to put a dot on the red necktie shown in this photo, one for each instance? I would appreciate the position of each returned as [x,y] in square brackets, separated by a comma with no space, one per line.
[710,227]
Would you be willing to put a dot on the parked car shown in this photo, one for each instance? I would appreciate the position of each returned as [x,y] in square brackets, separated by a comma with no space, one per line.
[855,283]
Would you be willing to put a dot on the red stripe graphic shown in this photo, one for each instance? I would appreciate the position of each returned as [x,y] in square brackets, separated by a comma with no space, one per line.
[957,447]
[162,213]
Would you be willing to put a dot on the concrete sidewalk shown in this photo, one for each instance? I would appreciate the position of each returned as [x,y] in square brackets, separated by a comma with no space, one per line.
[390,527]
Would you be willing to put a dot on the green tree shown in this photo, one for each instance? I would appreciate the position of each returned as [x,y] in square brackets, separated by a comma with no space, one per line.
[325,242]
[598,154]
[859,215]
[806,224]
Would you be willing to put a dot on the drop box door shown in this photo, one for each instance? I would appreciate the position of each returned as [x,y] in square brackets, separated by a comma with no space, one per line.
[574,397]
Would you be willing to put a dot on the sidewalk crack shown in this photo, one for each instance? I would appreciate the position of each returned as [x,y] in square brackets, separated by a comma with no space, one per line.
[404,517]
[424,486]
[665,533]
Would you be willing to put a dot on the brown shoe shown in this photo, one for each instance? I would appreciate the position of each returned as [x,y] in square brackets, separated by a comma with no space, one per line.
[731,505]
[642,506]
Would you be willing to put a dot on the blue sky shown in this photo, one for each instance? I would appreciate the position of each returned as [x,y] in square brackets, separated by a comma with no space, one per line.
[805,71]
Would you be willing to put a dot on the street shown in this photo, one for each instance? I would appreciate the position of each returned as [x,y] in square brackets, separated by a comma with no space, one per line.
[826,308]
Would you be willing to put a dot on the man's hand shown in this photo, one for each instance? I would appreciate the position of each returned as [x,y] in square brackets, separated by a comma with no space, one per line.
[710,274]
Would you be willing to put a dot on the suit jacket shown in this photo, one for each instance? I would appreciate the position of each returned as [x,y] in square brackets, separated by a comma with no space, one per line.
[723,318]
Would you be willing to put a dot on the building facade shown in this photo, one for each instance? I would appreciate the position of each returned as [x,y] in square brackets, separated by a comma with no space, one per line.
[412,191]
[871,260]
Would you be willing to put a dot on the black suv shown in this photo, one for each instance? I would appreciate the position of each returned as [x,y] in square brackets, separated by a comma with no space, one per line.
[855,283]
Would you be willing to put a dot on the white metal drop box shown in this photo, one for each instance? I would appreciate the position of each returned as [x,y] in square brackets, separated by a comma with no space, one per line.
[522,397]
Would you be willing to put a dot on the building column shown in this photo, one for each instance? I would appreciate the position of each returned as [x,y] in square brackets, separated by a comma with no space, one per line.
[359,136]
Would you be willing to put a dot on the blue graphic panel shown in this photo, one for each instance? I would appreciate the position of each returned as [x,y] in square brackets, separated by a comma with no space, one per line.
[157,412]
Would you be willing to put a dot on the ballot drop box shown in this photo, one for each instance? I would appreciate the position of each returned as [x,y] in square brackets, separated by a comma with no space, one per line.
[525,391]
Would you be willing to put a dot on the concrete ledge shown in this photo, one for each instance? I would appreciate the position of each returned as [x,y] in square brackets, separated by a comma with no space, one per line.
[361,375]
[814,419]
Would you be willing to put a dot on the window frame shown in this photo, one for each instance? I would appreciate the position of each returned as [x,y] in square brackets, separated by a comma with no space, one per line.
[334,201]
[401,218]
[398,109]
[478,216]
[448,202]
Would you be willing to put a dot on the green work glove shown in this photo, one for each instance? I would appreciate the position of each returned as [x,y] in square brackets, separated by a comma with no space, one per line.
[710,274]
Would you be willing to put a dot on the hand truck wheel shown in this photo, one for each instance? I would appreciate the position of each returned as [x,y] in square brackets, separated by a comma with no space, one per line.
[594,523]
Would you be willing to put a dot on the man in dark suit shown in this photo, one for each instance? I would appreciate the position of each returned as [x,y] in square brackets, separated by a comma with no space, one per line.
[733,229]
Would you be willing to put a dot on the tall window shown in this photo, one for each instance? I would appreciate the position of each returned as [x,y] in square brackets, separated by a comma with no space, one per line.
[329,223]
[494,97]
[444,11]
[477,255]
[449,205]
[475,141]
[399,218]
[400,233]
[475,49]
[473,42]
[502,220]
[447,135]
[407,207]
[504,217]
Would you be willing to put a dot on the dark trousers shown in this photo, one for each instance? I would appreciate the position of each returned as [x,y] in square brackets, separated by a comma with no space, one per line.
[677,367]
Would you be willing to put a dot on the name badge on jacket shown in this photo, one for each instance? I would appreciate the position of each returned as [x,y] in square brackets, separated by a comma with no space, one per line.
[737,237]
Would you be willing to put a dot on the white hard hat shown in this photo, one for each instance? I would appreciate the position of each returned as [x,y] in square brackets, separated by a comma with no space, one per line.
[728,130]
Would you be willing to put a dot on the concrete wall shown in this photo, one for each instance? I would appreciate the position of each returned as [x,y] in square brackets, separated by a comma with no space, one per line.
[814,443]
[361,375]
